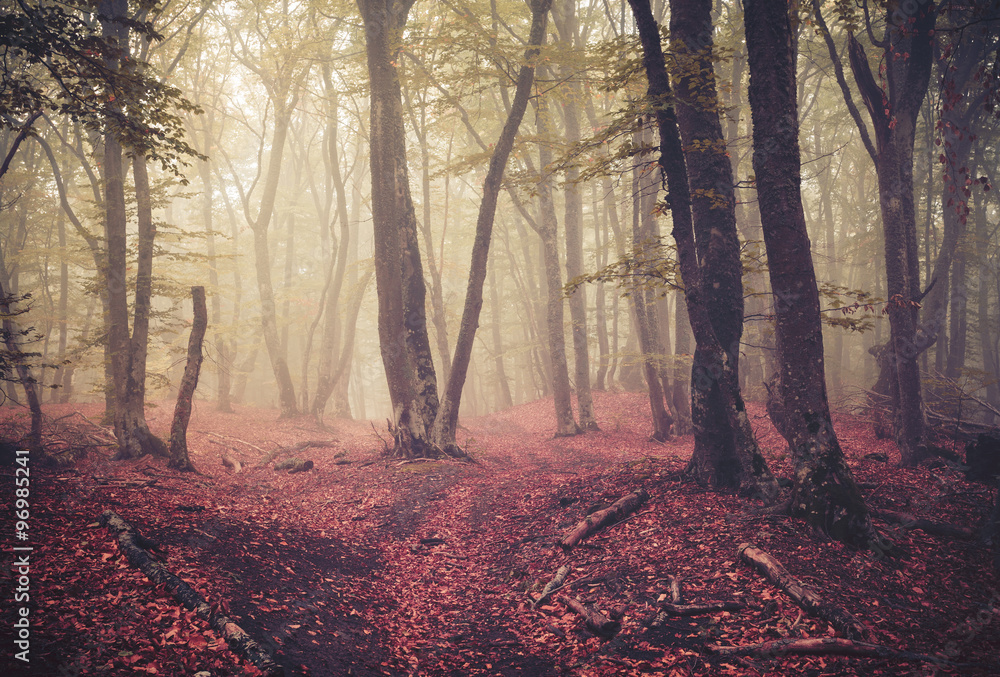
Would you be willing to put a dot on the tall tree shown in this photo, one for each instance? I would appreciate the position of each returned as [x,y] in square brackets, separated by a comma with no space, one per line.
[565,19]
[127,349]
[399,280]
[752,473]
[713,211]
[547,228]
[906,49]
[283,85]
[825,493]
[447,419]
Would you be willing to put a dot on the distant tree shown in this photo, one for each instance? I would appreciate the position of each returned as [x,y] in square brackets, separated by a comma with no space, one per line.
[447,419]
[906,47]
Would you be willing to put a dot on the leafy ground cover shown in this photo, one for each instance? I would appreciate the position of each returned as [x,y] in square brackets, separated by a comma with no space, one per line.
[371,566]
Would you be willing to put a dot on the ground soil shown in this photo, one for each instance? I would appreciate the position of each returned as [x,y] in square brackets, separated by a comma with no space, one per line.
[367,565]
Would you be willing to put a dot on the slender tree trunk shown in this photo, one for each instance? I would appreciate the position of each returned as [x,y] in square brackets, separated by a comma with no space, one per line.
[825,493]
[894,112]
[564,15]
[548,223]
[447,420]
[223,368]
[262,262]
[178,450]
[11,332]
[505,399]
[326,383]
[645,312]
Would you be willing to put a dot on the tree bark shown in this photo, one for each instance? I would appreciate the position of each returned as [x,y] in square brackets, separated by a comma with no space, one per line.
[825,493]
[178,451]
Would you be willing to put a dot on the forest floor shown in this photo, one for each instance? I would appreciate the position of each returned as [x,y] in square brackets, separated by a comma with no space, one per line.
[327,568]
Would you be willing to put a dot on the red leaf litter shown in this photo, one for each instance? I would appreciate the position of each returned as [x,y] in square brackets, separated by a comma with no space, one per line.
[367,565]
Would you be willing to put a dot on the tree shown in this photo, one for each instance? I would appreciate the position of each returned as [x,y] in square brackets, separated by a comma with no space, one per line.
[565,19]
[907,47]
[825,493]
[713,211]
[127,349]
[284,87]
[399,280]
[752,474]
[447,418]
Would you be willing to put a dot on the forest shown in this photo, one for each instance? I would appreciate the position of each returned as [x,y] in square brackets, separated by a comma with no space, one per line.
[500,337]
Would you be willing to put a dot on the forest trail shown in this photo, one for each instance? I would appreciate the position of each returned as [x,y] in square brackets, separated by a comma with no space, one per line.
[373,566]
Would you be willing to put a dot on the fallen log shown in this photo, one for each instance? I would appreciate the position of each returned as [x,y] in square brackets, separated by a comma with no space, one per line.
[596,622]
[130,543]
[603,518]
[807,598]
[553,585]
[943,529]
[294,465]
[709,607]
[822,646]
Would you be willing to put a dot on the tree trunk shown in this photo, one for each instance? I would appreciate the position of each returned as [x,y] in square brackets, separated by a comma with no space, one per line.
[10,332]
[644,311]
[178,450]
[894,112]
[223,367]
[564,16]
[713,201]
[547,223]
[447,419]
[262,261]
[751,473]
[496,319]
[825,492]
[328,357]
[398,272]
